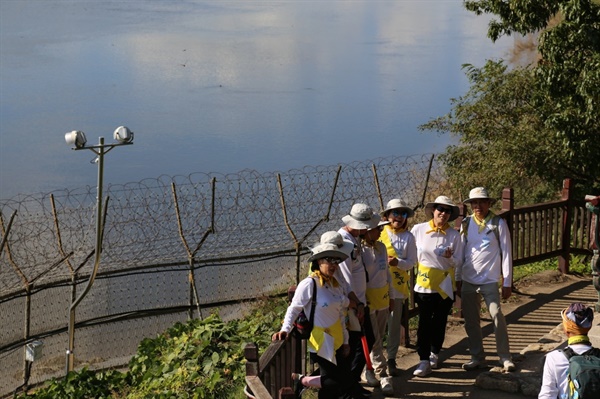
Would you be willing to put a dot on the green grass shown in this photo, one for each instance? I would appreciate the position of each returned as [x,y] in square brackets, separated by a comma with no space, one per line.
[579,265]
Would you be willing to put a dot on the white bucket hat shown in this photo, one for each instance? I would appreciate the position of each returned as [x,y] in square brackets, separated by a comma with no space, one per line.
[479,193]
[327,250]
[361,217]
[333,237]
[397,203]
[442,200]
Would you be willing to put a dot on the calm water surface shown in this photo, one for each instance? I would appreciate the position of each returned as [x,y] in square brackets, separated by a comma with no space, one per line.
[220,86]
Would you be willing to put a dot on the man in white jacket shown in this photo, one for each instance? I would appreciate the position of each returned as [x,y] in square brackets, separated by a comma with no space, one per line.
[487,260]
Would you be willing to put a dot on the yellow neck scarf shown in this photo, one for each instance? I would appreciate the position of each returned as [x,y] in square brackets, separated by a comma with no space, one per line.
[579,339]
[398,230]
[482,223]
[324,279]
[434,229]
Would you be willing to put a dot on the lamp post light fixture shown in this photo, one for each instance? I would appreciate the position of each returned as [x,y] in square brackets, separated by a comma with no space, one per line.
[77,139]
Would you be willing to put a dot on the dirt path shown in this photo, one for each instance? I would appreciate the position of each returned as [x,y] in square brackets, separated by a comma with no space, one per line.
[531,314]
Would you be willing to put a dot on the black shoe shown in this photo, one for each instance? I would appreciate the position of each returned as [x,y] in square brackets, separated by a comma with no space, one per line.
[392,370]
[298,387]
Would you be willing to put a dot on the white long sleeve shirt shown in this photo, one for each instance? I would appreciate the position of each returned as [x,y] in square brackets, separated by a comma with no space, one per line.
[331,305]
[376,264]
[486,258]
[352,272]
[405,251]
[554,378]
[429,243]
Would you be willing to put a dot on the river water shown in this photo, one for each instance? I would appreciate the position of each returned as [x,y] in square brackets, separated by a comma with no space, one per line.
[221,86]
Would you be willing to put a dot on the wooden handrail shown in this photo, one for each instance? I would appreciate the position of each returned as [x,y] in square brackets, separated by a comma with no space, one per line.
[540,231]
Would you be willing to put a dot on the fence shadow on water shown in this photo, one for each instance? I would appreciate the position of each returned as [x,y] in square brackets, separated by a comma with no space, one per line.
[173,248]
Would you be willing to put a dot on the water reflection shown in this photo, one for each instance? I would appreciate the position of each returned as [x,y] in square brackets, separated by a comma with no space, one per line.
[211,86]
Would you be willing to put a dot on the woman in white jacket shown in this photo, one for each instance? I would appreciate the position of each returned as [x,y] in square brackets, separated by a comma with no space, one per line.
[328,342]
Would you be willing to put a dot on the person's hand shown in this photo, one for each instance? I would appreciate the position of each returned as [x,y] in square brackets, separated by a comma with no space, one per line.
[448,252]
[360,312]
[506,292]
[279,336]
[458,287]
[345,350]
[392,261]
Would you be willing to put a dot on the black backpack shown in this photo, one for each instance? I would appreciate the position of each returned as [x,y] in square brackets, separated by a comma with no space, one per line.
[583,374]
[303,324]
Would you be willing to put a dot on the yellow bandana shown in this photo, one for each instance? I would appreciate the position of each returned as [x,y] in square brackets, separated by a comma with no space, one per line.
[431,278]
[317,338]
[378,298]
[579,339]
[441,230]
[324,279]
[482,223]
[400,278]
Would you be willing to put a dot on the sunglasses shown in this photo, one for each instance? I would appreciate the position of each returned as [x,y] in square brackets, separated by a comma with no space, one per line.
[397,213]
[441,209]
[333,260]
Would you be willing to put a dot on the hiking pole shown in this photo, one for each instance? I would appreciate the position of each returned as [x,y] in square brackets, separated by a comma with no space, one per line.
[366,350]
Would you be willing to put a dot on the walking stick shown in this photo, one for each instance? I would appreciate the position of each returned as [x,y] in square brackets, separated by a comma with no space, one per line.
[366,350]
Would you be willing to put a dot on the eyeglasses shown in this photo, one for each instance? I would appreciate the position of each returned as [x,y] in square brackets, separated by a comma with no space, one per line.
[397,213]
[441,209]
[333,260]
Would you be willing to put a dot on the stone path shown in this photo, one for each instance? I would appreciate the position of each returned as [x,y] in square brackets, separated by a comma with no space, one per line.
[532,315]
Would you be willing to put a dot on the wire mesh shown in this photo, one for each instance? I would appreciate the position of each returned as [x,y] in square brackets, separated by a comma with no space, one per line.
[235,237]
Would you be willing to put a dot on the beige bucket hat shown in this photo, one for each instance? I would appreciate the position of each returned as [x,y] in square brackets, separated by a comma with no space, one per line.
[333,237]
[397,203]
[479,193]
[442,200]
[361,217]
[327,250]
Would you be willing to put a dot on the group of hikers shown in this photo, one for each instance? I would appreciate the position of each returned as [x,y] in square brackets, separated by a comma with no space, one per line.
[359,280]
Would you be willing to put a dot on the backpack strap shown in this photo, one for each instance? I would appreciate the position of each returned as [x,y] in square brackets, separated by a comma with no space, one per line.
[568,352]
[313,302]
[495,221]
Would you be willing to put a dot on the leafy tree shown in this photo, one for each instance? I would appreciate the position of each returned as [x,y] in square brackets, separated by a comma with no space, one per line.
[563,102]
[502,139]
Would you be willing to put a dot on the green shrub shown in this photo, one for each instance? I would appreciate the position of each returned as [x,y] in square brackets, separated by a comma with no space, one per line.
[197,359]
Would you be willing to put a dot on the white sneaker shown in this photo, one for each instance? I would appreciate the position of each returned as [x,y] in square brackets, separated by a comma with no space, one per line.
[508,365]
[473,364]
[386,386]
[434,360]
[423,370]
[372,381]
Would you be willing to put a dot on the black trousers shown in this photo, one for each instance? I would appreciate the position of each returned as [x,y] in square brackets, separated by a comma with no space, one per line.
[357,354]
[335,379]
[433,317]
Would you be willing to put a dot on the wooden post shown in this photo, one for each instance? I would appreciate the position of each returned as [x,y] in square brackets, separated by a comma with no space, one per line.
[564,257]
[251,355]
[462,213]
[286,393]
[508,205]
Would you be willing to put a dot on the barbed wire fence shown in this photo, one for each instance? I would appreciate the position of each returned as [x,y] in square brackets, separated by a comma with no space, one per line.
[174,248]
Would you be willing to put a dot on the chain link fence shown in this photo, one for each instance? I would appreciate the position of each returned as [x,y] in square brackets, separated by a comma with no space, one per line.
[173,248]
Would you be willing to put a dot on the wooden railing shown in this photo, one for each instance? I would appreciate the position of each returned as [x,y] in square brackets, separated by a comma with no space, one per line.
[542,231]
[270,376]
